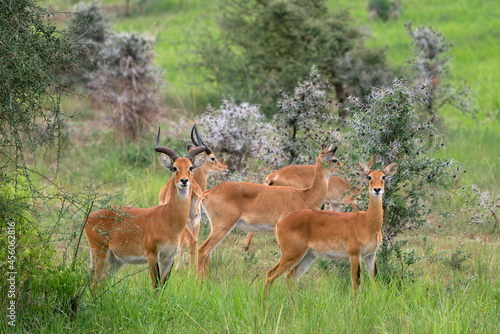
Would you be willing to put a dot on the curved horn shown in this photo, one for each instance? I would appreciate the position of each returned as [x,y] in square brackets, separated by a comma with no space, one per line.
[162,149]
[193,140]
[201,143]
[194,152]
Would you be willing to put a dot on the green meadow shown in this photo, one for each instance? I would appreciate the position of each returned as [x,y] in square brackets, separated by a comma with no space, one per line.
[451,288]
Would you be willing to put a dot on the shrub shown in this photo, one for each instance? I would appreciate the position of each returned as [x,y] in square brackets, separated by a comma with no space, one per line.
[24,249]
[234,131]
[388,127]
[31,63]
[432,62]
[129,81]
[385,9]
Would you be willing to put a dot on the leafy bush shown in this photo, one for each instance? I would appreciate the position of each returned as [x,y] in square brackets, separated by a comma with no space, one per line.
[32,252]
[385,9]
[31,63]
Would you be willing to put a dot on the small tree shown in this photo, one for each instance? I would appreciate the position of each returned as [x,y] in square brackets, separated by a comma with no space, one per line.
[303,123]
[34,54]
[388,127]
[129,81]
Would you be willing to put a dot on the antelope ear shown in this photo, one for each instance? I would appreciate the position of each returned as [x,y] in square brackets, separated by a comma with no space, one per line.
[327,153]
[390,169]
[165,161]
[362,169]
[199,160]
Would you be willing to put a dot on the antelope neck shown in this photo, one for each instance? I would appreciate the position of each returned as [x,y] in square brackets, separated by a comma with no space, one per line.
[200,176]
[375,212]
[178,207]
[316,193]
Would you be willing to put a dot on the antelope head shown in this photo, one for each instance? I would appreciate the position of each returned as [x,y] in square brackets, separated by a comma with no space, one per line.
[212,165]
[182,168]
[376,178]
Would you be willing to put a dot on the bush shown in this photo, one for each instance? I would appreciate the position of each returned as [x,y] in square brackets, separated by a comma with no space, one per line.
[303,124]
[236,132]
[432,62]
[129,81]
[24,248]
[385,9]
[31,63]
[388,127]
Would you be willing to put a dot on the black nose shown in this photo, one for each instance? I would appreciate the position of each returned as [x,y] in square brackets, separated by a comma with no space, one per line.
[377,190]
[184,181]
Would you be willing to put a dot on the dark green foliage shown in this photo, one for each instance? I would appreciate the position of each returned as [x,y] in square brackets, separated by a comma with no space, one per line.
[24,248]
[31,62]
[269,45]
[385,9]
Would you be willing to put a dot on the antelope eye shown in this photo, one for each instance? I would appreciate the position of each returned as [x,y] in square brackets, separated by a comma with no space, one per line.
[173,169]
[369,177]
[191,168]
[334,161]
[383,177]
[213,159]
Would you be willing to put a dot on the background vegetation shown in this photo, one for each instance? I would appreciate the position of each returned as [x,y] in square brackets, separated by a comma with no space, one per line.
[453,260]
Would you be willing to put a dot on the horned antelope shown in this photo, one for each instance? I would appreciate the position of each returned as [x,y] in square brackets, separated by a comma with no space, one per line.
[255,207]
[306,234]
[211,166]
[340,190]
[153,235]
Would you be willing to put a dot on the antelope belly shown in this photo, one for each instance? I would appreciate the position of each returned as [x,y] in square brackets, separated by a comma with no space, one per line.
[253,228]
[335,255]
[133,259]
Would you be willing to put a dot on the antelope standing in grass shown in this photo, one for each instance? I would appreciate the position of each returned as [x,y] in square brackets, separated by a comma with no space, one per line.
[255,207]
[211,166]
[340,190]
[306,234]
[134,235]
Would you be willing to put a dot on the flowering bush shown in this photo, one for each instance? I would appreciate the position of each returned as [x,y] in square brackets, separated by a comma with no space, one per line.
[236,132]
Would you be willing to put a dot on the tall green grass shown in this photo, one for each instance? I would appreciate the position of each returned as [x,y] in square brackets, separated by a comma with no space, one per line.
[438,300]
